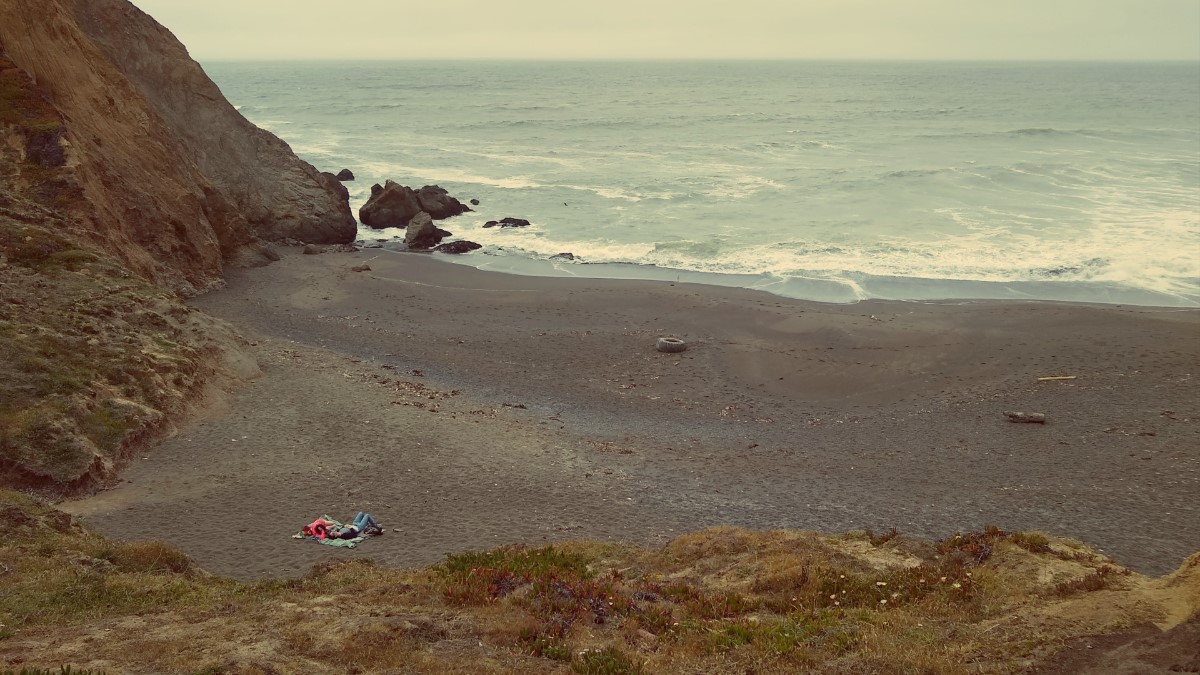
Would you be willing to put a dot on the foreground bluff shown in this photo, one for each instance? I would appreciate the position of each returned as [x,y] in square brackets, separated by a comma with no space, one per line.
[173,179]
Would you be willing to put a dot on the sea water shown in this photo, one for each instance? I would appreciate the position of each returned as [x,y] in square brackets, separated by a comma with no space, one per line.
[831,181]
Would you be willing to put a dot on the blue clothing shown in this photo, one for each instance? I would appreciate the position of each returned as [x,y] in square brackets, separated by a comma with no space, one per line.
[362,521]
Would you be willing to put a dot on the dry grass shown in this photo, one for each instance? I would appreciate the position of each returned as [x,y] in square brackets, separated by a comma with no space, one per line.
[719,601]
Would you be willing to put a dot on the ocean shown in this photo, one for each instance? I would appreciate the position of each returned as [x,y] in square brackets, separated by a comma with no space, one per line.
[828,181]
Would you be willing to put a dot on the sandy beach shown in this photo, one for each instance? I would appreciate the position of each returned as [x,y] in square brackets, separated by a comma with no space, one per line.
[467,409]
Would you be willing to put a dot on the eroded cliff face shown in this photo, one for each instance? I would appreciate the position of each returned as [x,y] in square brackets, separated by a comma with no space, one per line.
[278,194]
[126,183]
[171,178]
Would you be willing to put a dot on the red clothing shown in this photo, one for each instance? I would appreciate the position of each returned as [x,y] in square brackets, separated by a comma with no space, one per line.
[320,528]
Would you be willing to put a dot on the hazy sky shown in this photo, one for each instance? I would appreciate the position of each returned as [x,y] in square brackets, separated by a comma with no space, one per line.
[574,29]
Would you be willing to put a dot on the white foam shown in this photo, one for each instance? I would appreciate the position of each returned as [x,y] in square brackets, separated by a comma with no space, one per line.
[447,174]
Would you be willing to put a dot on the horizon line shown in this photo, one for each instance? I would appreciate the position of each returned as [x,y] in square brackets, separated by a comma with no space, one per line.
[698,59]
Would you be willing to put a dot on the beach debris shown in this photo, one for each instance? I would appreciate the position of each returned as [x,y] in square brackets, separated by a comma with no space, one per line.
[1055,378]
[1027,418]
[670,345]
[361,268]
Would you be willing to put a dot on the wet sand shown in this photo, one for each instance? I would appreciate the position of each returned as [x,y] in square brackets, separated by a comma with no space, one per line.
[467,409]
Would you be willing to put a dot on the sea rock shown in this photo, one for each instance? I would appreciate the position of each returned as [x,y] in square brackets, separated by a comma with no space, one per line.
[345,174]
[392,205]
[421,232]
[474,202]
[507,222]
[438,203]
[460,246]
[563,256]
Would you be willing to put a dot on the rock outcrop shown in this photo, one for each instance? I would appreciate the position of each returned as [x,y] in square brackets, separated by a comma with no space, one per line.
[336,185]
[170,177]
[394,205]
[507,222]
[458,247]
[345,174]
[422,233]
[438,203]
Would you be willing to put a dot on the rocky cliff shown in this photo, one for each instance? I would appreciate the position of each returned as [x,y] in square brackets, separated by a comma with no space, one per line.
[170,177]
[127,182]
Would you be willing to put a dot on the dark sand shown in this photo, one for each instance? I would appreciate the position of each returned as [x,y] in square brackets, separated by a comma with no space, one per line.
[781,414]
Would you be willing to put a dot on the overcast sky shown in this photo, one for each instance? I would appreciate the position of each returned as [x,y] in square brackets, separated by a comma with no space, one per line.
[634,29]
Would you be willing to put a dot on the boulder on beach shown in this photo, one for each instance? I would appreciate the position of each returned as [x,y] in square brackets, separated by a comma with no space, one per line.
[563,256]
[507,222]
[457,247]
[345,174]
[394,205]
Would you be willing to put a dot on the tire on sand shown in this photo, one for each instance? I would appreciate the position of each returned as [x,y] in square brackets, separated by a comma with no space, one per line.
[670,345]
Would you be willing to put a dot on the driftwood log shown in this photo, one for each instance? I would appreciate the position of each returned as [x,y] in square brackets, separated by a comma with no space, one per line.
[1028,418]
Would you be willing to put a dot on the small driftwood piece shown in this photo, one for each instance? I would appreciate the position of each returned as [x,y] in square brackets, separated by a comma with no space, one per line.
[1054,378]
[1027,418]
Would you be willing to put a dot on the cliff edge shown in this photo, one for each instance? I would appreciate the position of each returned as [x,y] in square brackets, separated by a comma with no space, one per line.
[127,183]
[171,178]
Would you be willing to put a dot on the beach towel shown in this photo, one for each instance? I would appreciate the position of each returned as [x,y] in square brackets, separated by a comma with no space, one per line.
[328,541]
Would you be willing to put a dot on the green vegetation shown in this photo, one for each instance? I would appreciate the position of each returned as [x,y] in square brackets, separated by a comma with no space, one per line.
[721,600]
[94,358]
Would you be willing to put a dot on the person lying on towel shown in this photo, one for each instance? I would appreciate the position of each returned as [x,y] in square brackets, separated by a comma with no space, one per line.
[362,523]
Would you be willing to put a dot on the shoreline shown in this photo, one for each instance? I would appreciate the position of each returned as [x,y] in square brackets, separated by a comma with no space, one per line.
[541,412]
[848,288]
